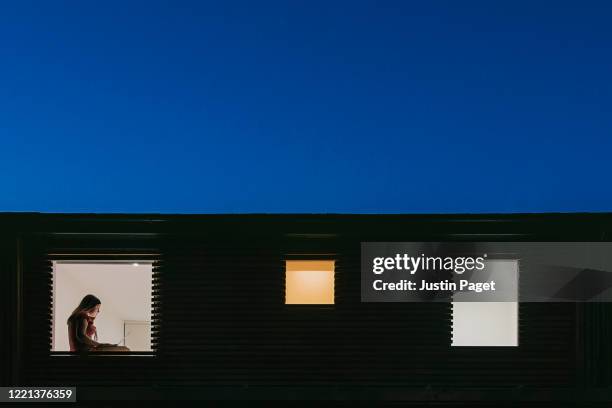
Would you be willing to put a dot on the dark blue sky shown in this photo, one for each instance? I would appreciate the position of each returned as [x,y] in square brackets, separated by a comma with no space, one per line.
[223,107]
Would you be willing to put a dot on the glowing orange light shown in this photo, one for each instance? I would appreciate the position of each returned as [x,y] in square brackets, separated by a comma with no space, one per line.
[309,282]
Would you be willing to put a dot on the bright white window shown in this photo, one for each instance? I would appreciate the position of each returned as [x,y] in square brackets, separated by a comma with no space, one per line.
[124,289]
[492,324]
[309,282]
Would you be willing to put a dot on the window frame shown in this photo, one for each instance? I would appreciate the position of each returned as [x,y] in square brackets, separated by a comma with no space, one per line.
[326,256]
[108,257]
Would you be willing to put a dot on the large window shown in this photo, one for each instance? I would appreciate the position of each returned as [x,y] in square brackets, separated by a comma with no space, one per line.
[124,291]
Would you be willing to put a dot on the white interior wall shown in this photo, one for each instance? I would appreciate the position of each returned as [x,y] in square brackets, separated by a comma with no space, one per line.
[489,323]
[123,289]
[485,324]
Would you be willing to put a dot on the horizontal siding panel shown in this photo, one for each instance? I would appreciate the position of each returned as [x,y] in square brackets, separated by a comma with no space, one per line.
[219,318]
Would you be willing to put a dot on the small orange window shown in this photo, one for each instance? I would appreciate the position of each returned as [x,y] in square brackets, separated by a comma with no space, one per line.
[309,282]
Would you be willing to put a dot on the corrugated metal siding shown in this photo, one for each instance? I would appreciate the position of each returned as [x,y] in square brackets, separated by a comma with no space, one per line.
[225,322]
[37,309]
[9,322]
[220,319]
[597,344]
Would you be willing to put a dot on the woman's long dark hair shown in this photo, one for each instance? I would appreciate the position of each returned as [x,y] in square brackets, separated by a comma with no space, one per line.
[87,303]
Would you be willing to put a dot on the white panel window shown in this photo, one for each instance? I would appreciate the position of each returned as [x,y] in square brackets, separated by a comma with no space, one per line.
[489,324]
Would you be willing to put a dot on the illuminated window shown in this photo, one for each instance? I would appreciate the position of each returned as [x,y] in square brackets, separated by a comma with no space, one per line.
[489,324]
[309,282]
[123,290]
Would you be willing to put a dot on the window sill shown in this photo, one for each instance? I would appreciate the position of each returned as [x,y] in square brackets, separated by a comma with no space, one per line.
[102,353]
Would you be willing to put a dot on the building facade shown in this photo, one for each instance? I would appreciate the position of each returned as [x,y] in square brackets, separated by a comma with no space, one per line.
[221,328]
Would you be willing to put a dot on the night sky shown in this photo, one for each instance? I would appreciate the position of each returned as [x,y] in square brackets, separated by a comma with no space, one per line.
[309,107]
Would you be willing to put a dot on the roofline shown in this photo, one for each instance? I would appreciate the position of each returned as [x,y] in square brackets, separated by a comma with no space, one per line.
[256,224]
[289,214]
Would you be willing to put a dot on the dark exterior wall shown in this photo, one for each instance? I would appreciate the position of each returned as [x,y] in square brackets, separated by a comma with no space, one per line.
[222,321]
[10,312]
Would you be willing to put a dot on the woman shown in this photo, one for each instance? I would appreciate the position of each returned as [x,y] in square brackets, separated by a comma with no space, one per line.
[82,333]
